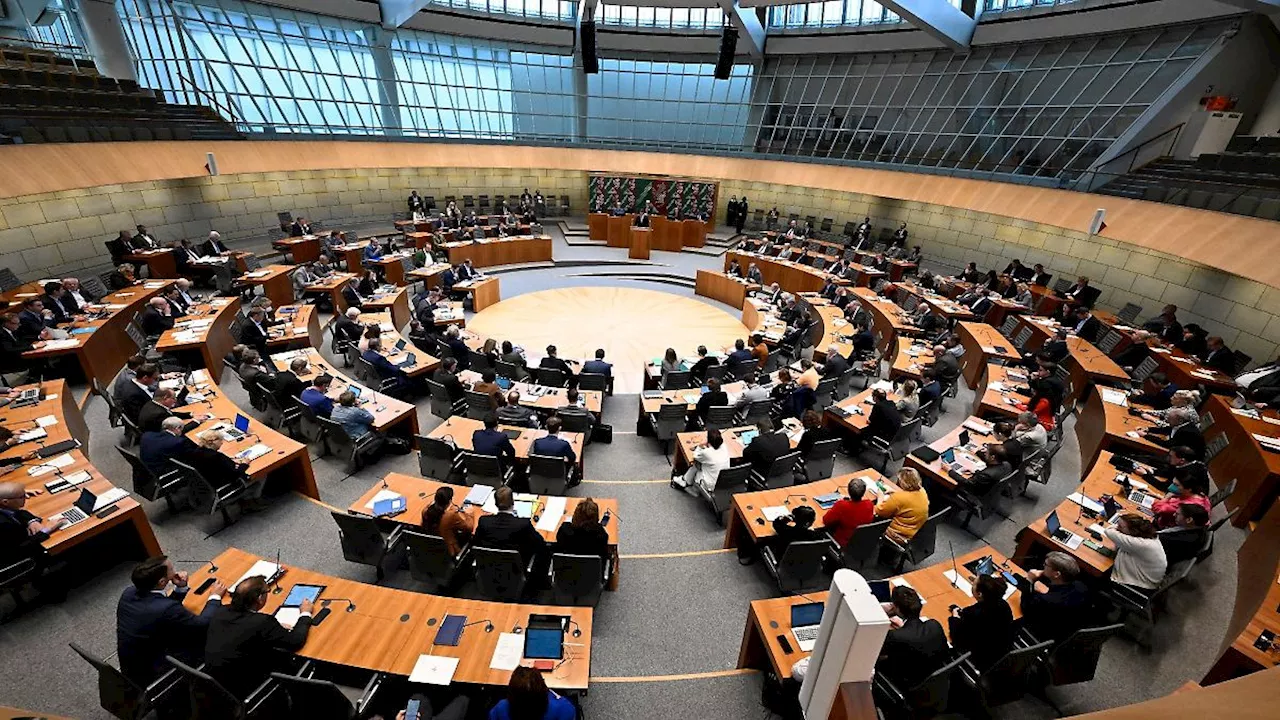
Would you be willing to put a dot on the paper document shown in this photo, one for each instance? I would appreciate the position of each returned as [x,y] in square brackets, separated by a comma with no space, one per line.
[773,513]
[288,617]
[884,385]
[1115,397]
[479,495]
[60,344]
[508,653]
[262,568]
[1087,503]
[380,496]
[552,514]
[47,421]
[433,670]
[48,466]
[958,582]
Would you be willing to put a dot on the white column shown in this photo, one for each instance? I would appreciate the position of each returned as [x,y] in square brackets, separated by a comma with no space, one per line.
[104,34]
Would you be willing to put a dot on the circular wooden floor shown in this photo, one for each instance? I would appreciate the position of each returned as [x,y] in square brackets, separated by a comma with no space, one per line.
[633,326]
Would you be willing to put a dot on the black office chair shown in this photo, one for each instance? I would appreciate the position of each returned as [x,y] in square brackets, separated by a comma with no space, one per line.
[548,475]
[211,701]
[578,579]
[1074,660]
[731,481]
[895,449]
[781,473]
[207,498]
[438,459]
[442,406]
[1138,607]
[669,420]
[864,544]
[501,574]
[478,405]
[124,698]
[363,542]
[551,377]
[824,393]
[720,417]
[1207,550]
[479,361]
[1009,679]
[800,569]
[819,463]
[1220,496]
[354,452]
[307,426]
[927,698]
[148,484]
[485,470]
[593,381]
[324,700]
[755,412]
[676,380]
[431,562]
[920,546]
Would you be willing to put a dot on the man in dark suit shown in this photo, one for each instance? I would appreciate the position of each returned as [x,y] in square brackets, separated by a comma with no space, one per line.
[21,532]
[151,625]
[1039,276]
[512,412]
[401,386]
[351,296]
[448,279]
[178,305]
[884,420]
[766,447]
[489,440]
[119,247]
[945,365]
[300,227]
[253,332]
[699,368]
[138,392]
[1218,356]
[347,327]
[183,256]
[505,531]
[239,653]
[447,375]
[157,318]
[836,364]
[143,240]
[1262,385]
[553,445]
[1187,538]
[289,384]
[599,367]
[1056,604]
[1086,326]
[12,345]
[161,405]
[913,648]
[554,362]
[55,301]
[34,320]
[1179,432]
[713,397]
[998,466]
[157,447]
[214,245]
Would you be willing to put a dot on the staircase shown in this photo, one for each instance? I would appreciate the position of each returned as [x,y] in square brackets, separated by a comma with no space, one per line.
[1189,183]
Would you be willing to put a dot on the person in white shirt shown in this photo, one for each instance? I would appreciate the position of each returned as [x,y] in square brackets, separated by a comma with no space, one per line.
[909,400]
[72,286]
[1030,433]
[1140,560]
[708,460]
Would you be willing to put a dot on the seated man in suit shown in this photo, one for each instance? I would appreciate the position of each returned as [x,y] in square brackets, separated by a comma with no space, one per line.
[1188,537]
[699,368]
[372,251]
[945,365]
[402,385]
[505,531]
[1039,276]
[914,648]
[35,322]
[144,240]
[183,256]
[157,447]
[1218,356]
[836,364]
[555,363]
[1086,326]
[447,375]
[161,405]
[157,318]
[214,245]
[151,624]
[289,383]
[138,392]
[120,246]
[1180,431]
[1261,385]
[998,467]
[883,422]
[754,275]
[740,353]
[347,327]
[351,296]
[300,228]
[599,367]
[713,397]
[122,277]
[316,396]
[253,332]
[13,343]
[241,650]
[77,297]
[574,408]
[766,447]
[56,302]
[513,413]
[489,440]
[555,446]
[1057,604]
[253,369]
[179,306]
[794,527]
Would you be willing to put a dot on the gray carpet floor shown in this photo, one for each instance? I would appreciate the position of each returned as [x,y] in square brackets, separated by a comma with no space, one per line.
[682,602]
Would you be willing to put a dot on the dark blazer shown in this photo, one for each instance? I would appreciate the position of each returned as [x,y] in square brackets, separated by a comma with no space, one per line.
[1222,360]
[118,249]
[556,364]
[766,448]
[117,281]
[153,323]
[451,384]
[217,468]
[1186,434]
[31,324]
[213,247]
[984,629]
[150,626]
[835,366]
[254,337]
[132,400]
[555,446]
[1056,349]
[1182,543]
[505,531]
[12,345]
[1041,279]
[156,448]
[786,532]
[383,366]
[61,310]
[709,399]
[348,329]
[1055,614]
[982,481]
[947,368]
[153,414]
[884,420]
[912,652]
[699,369]
[590,539]
[493,442]
[1090,330]
[600,367]
[239,652]
[288,386]
[15,542]
[350,297]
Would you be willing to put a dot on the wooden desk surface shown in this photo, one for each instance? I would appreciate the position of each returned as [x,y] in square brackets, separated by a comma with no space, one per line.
[771,617]
[551,398]
[420,492]
[936,472]
[192,330]
[938,303]
[460,429]
[1092,362]
[333,281]
[747,523]
[690,397]
[386,410]
[790,276]
[1243,458]
[688,442]
[426,362]
[910,358]
[388,630]
[1101,424]
[995,396]
[68,423]
[858,421]
[266,274]
[301,327]
[119,304]
[1101,480]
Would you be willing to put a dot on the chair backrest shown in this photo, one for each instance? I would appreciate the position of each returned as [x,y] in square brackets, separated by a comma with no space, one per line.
[203,495]
[672,411]
[362,542]
[1145,368]
[756,411]
[1129,312]
[435,457]
[1022,337]
[145,482]
[429,558]
[552,377]
[1240,360]
[340,443]
[1009,679]
[676,380]
[576,579]
[819,462]
[548,475]
[311,698]
[801,566]
[779,473]
[730,481]
[1223,493]
[716,371]
[92,284]
[478,405]
[864,543]
[482,469]
[592,381]
[1075,659]
[1008,326]
[925,540]
[1109,340]
[1062,285]
[1217,524]
[117,694]
[8,280]
[500,574]
[479,361]
[822,449]
[209,700]
[507,370]
[720,417]
[932,694]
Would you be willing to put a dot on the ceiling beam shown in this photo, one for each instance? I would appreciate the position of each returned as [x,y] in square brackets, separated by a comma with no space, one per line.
[397,12]
[939,18]
[748,25]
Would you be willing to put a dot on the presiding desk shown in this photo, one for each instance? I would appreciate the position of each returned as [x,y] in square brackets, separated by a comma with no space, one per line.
[419,493]
[1102,425]
[203,334]
[304,249]
[728,289]
[286,459]
[100,342]
[982,344]
[770,618]
[388,629]
[1242,457]
[459,429]
[748,526]
[488,252]
[62,420]
[389,414]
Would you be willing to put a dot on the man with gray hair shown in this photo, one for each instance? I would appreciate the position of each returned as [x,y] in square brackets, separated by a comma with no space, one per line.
[836,364]
[214,247]
[1181,430]
[157,318]
[1055,604]
[22,532]
[1030,433]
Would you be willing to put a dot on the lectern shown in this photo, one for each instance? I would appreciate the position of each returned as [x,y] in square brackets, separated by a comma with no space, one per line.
[853,629]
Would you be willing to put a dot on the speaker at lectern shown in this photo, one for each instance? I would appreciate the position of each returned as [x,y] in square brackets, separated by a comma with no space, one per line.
[849,640]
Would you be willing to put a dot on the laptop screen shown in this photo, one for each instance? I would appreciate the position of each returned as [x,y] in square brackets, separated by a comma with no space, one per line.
[354,390]
[986,567]
[964,437]
[543,643]
[86,501]
[806,614]
[1052,524]
[949,455]
[242,423]
[400,345]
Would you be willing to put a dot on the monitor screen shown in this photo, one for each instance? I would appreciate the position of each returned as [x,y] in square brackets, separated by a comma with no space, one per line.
[806,614]
[543,643]
[242,423]
[1052,524]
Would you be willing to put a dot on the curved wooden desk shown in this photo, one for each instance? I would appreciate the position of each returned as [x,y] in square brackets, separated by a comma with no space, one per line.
[982,344]
[300,329]
[908,359]
[460,430]
[395,302]
[887,319]
[128,522]
[935,474]
[426,362]
[747,524]
[1086,364]
[994,397]
[275,280]
[389,414]
[1102,425]
[288,459]
[1242,458]
[723,287]
[202,337]
[420,492]
[388,629]
[501,251]
[790,276]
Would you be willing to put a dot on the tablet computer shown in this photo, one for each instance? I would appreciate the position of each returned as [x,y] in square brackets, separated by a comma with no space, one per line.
[299,593]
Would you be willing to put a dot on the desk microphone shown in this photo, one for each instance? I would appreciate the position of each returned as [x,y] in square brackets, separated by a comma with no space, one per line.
[213,567]
[351,606]
[955,571]
[787,499]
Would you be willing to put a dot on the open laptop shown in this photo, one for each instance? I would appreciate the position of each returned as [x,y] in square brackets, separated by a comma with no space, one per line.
[1057,532]
[806,619]
[409,361]
[238,430]
[80,510]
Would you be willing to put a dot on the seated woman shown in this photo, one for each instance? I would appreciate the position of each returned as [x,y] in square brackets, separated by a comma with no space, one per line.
[583,534]
[1191,491]
[443,518]
[909,508]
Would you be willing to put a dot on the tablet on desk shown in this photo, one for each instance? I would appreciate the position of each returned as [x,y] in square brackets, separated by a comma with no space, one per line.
[300,593]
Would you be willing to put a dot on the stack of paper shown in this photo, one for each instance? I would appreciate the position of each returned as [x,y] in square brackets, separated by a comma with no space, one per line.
[552,514]
[380,496]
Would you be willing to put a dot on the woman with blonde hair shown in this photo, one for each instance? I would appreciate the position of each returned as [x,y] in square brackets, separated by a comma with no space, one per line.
[908,508]
[583,534]
[1185,399]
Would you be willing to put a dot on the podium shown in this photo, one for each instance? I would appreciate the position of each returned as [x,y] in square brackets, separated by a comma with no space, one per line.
[640,237]
[620,230]
[598,226]
[667,234]
[694,233]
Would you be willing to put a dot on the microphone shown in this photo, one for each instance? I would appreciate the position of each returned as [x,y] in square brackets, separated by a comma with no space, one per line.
[275,578]
[577,629]
[351,606]
[787,499]
[955,571]
[213,567]
[488,624]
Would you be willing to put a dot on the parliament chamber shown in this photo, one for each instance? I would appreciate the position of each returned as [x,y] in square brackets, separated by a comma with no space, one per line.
[928,351]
